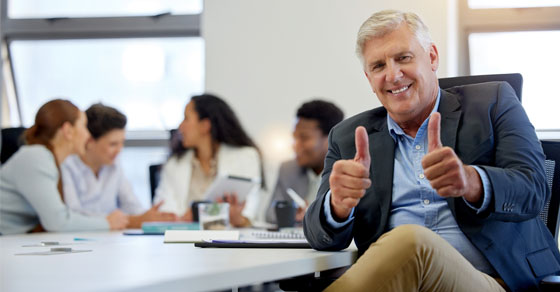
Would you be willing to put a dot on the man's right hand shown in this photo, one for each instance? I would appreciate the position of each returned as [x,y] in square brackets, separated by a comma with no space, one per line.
[350,178]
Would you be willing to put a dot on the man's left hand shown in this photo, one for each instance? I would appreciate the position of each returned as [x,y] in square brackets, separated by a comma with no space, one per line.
[445,171]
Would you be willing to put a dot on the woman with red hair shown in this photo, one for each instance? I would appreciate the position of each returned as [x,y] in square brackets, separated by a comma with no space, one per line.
[30,183]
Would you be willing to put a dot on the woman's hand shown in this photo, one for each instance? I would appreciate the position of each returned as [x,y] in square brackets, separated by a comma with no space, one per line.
[151,215]
[188,216]
[117,220]
[236,217]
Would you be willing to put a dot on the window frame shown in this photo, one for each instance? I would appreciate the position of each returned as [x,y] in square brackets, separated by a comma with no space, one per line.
[159,25]
[503,20]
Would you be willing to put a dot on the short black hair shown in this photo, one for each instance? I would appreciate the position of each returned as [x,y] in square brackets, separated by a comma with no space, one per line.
[103,119]
[324,112]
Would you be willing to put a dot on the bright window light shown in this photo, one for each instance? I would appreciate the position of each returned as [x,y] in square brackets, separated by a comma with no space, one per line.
[531,53]
[485,4]
[100,8]
[148,79]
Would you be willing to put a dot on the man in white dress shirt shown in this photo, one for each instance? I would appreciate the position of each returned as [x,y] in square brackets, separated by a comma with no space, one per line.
[94,183]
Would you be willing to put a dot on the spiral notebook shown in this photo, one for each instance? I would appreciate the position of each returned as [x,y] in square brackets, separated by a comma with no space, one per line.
[277,235]
[262,239]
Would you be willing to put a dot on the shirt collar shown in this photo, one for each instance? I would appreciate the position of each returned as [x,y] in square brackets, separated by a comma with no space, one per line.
[395,130]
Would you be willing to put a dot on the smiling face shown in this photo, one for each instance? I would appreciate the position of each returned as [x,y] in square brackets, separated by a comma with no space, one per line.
[310,144]
[106,148]
[402,74]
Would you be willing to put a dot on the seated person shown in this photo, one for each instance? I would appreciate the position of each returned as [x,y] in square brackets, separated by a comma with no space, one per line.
[216,144]
[94,183]
[314,120]
[31,193]
[440,189]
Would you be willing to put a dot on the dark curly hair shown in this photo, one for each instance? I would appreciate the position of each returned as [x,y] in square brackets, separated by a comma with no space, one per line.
[324,112]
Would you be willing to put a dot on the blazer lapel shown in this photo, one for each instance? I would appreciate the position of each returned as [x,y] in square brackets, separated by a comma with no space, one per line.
[382,149]
[450,110]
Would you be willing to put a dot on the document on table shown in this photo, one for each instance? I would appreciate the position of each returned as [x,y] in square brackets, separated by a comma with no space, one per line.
[190,236]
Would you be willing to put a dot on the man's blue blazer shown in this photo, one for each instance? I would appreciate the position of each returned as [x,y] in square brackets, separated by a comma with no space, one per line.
[486,126]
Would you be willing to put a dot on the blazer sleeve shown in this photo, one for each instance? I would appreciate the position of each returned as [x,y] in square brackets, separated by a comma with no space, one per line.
[166,191]
[318,232]
[517,177]
[45,199]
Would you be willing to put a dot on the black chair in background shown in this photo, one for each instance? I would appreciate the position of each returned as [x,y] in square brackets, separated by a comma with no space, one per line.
[549,215]
[514,79]
[12,139]
[155,174]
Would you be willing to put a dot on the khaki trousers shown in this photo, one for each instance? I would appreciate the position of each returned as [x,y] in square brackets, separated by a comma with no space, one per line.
[413,258]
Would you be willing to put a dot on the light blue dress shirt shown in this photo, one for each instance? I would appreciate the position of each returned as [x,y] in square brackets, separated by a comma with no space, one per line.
[414,200]
[97,195]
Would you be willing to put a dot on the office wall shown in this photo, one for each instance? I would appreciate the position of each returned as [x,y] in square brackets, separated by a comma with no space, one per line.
[266,57]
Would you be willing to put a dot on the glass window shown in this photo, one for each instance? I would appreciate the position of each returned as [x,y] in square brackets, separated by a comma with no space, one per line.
[148,79]
[99,8]
[531,53]
[483,4]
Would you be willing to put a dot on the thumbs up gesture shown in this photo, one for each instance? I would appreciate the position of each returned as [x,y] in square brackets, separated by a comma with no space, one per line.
[349,179]
[445,171]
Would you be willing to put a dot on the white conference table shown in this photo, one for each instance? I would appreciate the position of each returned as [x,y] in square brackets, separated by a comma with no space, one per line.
[144,263]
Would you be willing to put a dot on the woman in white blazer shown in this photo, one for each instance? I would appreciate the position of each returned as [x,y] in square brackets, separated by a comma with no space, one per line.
[213,144]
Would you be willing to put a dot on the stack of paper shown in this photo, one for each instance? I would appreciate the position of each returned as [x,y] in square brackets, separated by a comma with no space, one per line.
[190,236]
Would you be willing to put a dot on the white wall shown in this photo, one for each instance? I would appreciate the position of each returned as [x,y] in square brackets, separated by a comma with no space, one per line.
[266,57]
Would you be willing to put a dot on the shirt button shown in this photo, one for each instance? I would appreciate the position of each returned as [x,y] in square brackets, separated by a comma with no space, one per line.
[426,202]
[417,147]
[421,176]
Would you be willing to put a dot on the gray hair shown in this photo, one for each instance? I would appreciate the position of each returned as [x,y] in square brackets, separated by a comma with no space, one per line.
[385,22]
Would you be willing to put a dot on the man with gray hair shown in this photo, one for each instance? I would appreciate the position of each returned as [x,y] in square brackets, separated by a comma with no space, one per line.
[439,189]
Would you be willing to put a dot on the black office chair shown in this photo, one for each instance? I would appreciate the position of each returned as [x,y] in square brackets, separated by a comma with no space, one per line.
[12,139]
[155,175]
[549,215]
[514,79]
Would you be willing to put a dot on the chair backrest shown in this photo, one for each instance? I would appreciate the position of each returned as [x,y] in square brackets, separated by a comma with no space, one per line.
[514,79]
[552,167]
[155,174]
[12,139]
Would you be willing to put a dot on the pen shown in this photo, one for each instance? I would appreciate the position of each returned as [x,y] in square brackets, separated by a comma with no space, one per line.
[299,201]
[83,239]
